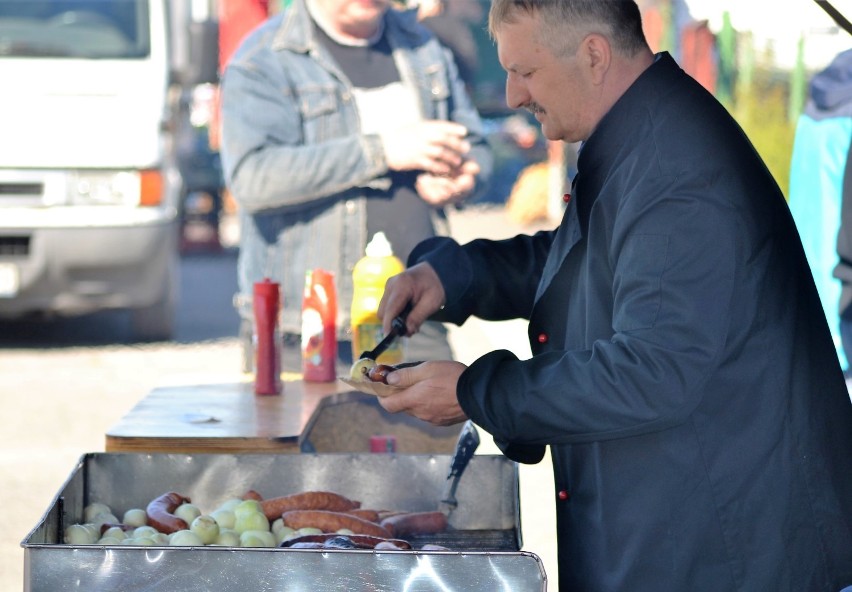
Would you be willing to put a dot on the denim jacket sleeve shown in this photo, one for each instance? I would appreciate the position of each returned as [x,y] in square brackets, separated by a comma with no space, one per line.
[290,127]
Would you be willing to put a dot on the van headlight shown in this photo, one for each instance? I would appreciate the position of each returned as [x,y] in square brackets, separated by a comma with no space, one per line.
[144,188]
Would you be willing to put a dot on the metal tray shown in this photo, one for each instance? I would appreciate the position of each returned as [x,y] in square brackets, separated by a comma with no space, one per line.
[489,510]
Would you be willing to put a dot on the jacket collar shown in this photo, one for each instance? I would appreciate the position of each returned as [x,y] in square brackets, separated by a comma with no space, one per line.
[601,152]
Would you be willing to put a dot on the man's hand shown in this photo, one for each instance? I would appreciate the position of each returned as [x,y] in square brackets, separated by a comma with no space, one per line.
[420,286]
[441,190]
[436,147]
[429,392]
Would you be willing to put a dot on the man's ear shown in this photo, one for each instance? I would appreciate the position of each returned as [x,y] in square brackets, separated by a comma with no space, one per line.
[598,55]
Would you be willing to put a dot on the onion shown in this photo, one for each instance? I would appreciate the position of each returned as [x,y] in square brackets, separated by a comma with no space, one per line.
[79,534]
[135,517]
[206,528]
[228,538]
[224,518]
[187,512]
[93,509]
[360,368]
[185,538]
[115,532]
[257,538]
[251,521]
[247,507]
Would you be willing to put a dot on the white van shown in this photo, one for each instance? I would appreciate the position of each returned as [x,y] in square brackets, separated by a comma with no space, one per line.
[89,188]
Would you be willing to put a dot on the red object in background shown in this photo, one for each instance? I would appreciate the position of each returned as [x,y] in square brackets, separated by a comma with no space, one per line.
[267,308]
[236,18]
[698,54]
[319,327]
[382,443]
[653,27]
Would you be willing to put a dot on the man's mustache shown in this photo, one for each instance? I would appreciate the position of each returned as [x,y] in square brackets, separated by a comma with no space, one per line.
[534,108]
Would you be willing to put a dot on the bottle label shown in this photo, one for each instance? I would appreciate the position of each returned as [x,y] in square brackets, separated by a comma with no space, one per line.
[367,336]
[312,337]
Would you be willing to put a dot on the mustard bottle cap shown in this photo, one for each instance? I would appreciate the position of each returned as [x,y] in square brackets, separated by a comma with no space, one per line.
[379,246]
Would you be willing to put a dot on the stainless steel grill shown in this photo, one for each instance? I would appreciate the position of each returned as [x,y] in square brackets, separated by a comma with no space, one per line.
[484,537]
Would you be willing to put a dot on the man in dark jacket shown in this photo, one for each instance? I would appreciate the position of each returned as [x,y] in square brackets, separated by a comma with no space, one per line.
[683,373]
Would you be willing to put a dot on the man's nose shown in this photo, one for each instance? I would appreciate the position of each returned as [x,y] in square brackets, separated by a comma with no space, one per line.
[516,94]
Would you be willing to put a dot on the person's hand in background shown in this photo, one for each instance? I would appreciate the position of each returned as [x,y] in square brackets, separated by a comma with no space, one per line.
[441,190]
[435,147]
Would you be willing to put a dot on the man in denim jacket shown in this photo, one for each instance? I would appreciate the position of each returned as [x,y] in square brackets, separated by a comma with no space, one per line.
[339,119]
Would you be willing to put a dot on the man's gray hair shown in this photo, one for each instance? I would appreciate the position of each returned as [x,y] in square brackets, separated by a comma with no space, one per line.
[566,22]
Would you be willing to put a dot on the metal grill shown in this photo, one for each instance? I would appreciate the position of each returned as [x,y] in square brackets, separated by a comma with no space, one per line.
[469,540]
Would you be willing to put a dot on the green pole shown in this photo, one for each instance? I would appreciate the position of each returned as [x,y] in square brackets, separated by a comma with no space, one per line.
[798,87]
[726,42]
[668,40]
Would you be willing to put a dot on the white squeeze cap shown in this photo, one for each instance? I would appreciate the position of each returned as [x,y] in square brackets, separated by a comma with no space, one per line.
[379,246]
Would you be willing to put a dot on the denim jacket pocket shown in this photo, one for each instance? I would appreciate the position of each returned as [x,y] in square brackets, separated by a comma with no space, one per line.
[320,109]
[316,101]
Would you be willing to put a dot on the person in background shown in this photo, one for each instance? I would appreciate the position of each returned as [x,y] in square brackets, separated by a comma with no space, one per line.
[451,22]
[682,371]
[817,192]
[843,270]
[342,118]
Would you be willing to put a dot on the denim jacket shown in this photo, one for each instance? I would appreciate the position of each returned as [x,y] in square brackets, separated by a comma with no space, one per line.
[296,162]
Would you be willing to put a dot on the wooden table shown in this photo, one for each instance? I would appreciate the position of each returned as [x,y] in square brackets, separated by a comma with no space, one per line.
[220,418]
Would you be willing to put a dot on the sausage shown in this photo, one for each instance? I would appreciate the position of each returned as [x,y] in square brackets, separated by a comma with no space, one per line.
[251,494]
[307,500]
[332,522]
[361,541]
[414,523]
[365,514]
[379,373]
[388,513]
[161,512]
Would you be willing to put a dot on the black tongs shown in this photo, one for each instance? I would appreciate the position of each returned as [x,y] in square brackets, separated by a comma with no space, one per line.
[397,330]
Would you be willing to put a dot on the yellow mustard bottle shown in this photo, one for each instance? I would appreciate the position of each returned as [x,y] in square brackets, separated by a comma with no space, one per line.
[368,278]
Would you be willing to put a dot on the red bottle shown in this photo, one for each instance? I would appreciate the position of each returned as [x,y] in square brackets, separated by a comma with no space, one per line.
[319,327]
[267,309]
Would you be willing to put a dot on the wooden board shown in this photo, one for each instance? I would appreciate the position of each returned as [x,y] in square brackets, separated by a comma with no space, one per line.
[220,418]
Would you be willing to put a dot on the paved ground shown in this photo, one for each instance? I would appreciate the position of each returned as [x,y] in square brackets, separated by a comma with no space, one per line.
[63,387]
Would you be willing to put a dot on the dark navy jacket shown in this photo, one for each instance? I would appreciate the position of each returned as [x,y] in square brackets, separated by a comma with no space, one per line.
[683,373]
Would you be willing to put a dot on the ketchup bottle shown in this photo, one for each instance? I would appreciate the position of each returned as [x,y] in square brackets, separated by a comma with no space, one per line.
[267,309]
[319,327]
